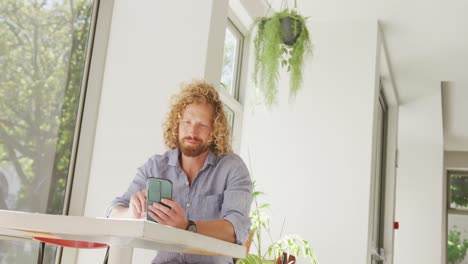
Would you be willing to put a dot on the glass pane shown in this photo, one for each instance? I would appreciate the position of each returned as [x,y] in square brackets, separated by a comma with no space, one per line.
[458,190]
[24,251]
[229,62]
[230,116]
[42,55]
[457,244]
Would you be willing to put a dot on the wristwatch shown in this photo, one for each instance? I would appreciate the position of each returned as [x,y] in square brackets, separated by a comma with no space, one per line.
[192,227]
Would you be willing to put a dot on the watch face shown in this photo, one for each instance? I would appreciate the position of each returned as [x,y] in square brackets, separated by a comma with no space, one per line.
[192,227]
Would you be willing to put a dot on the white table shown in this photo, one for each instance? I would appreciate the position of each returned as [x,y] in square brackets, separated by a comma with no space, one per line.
[120,234]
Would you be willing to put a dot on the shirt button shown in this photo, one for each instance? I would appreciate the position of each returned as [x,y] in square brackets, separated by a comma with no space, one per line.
[186,183]
[188,205]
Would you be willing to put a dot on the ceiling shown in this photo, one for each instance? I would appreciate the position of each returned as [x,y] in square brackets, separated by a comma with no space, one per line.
[427,44]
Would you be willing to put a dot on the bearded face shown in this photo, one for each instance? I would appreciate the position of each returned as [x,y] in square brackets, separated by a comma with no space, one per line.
[192,146]
[195,129]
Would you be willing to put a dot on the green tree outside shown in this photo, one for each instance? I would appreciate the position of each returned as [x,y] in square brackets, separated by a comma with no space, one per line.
[42,56]
[457,247]
[459,190]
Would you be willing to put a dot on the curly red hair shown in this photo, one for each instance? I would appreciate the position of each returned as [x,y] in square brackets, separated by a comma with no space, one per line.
[198,92]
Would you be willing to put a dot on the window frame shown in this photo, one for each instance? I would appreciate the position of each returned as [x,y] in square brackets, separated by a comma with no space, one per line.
[234,102]
[237,67]
[450,210]
[85,130]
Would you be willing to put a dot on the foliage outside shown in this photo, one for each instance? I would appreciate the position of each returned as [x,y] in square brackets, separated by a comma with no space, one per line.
[459,190]
[457,247]
[42,58]
[290,244]
[230,49]
[42,55]
[270,52]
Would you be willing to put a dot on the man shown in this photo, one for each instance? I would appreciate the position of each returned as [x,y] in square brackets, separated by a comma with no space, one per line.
[212,190]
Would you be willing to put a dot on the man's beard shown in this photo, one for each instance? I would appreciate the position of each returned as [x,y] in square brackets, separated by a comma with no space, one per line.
[193,150]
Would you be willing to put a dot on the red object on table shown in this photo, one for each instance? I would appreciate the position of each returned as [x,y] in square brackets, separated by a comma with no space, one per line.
[70,243]
[396,225]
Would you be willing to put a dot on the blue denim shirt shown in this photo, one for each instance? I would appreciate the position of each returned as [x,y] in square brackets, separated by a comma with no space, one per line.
[221,190]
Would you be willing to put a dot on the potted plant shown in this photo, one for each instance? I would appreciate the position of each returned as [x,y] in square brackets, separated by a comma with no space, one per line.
[282,38]
[282,251]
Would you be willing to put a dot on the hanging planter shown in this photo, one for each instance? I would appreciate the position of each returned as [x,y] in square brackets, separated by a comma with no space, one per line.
[282,38]
[291,28]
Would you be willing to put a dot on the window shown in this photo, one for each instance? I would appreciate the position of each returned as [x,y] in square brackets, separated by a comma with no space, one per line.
[42,59]
[230,116]
[378,183]
[233,45]
[230,80]
[457,219]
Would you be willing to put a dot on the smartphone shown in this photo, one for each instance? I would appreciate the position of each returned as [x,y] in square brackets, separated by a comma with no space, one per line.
[157,189]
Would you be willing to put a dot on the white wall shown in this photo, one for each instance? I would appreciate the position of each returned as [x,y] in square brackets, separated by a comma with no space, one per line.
[153,47]
[313,157]
[420,181]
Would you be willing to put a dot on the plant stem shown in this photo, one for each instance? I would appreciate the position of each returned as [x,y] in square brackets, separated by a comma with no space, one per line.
[258,231]
[259,248]
[282,227]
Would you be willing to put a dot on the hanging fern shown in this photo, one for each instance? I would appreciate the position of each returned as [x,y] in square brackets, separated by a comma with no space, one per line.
[270,52]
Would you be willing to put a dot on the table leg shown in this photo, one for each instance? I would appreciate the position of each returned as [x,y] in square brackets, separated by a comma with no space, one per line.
[40,255]
[120,255]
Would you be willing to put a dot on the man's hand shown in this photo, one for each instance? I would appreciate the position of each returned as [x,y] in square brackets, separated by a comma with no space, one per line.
[173,216]
[137,207]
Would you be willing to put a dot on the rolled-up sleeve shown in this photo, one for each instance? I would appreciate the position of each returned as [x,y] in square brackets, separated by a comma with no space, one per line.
[138,184]
[237,200]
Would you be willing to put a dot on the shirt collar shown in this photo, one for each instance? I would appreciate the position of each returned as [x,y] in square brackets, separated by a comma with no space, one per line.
[174,158]
[211,159]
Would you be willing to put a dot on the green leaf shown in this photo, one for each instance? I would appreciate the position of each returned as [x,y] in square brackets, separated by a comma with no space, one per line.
[250,259]
[284,63]
[255,194]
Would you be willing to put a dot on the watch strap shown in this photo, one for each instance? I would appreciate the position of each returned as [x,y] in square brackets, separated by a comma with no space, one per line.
[191,226]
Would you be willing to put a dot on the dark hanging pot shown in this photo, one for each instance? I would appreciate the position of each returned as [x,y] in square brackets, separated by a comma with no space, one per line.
[290,30]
